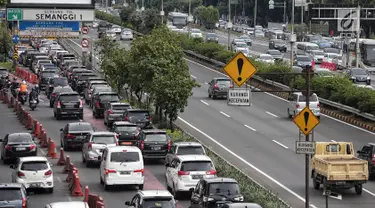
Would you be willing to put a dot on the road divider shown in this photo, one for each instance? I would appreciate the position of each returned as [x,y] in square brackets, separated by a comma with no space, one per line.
[26,75]
[328,65]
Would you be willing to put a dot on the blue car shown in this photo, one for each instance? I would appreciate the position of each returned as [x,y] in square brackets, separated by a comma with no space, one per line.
[13,195]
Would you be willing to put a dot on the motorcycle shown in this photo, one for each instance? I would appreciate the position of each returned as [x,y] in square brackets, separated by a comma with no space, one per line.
[33,103]
[22,98]
[9,83]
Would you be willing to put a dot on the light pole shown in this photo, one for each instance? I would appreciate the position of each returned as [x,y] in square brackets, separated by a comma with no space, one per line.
[292,36]
[255,14]
[243,10]
[143,5]
[358,34]
[162,12]
[229,24]
[189,18]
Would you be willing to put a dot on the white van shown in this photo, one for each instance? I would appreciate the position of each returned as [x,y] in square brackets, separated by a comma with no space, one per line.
[122,165]
[71,204]
[297,102]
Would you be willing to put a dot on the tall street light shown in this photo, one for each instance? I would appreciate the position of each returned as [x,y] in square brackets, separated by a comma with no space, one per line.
[255,14]
[162,12]
[190,18]
[229,24]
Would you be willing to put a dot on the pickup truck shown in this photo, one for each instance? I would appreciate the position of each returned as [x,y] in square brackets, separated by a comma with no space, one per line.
[335,166]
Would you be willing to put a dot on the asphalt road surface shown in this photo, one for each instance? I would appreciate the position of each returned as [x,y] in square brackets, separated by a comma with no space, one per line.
[261,140]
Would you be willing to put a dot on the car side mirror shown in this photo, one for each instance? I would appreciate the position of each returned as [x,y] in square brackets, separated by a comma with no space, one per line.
[11,166]
[127,203]
[1,140]
[100,158]
[61,129]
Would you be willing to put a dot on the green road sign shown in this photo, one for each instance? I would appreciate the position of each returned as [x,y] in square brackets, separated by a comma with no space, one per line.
[14,14]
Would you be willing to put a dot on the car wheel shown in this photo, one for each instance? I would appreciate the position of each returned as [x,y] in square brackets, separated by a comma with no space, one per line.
[175,193]
[83,159]
[105,123]
[289,115]
[58,117]
[101,180]
[209,95]
[65,146]
[88,164]
[140,187]
[106,187]
[50,190]
[214,96]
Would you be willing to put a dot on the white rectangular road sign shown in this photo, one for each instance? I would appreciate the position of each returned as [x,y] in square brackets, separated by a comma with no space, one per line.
[83,2]
[49,34]
[347,20]
[239,96]
[81,15]
[303,147]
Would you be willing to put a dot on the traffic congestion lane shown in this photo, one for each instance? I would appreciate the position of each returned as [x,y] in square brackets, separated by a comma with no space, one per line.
[39,198]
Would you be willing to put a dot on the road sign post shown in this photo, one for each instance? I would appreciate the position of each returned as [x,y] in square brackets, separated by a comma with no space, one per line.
[14,14]
[239,97]
[85,30]
[16,39]
[240,69]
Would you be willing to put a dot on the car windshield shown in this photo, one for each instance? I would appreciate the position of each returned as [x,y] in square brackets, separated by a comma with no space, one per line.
[157,137]
[190,150]
[10,194]
[139,114]
[23,138]
[211,35]
[223,82]
[104,139]
[195,31]
[102,89]
[258,31]
[59,81]
[274,52]
[241,45]
[312,47]
[126,128]
[158,203]
[110,33]
[313,98]
[319,53]
[124,156]
[109,98]
[224,189]
[120,107]
[304,58]
[279,42]
[34,166]
[85,77]
[244,38]
[197,166]
[359,72]
[69,98]
[80,127]
[62,89]
[48,74]
[44,61]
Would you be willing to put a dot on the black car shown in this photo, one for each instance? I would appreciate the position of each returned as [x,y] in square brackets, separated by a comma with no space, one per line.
[358,75]
[44,76]
[128,133]
[23,55]
[74,134]
[113,112]
[368,153]
[68,104]
[240,205]
[96,88]
[101,100]
[76,72]
[4,73]
[13,195]
[54,82]
[17,145]
[138,116]
[219,190]
[79,84]
[29,57]
[278,45]
[302,61]
[154,143]
[212,37]
[56,92]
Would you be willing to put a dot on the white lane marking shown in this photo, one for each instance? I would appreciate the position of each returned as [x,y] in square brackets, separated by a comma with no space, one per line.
[43,152]
[206,83]
[333,141]
[59,179]
[271,114]
[369,192]
[280,144]
[249,127]
[246,162]
[205,103]
[335,119]
[225,114]
[194,77]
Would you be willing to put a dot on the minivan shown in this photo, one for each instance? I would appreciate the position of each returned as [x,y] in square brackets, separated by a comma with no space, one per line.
[297,102]
[121,165]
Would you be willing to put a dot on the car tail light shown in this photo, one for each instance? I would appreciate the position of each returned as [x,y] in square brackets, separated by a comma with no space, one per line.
[126,118]
[140,171]
[211,172]
[110,111]
[20,174]
[97,104]
[169,144]
[318,105]
[297,106]
[90,146]
[373,159]
[69,136]
[142,144]
[182,173]
[24,202]
[48,173]
[80,104]
[8,147]
[108,171]
[150,119]
[32,147]
[117,144]
[58,104]
[53,95]
[231,86]
[216,86]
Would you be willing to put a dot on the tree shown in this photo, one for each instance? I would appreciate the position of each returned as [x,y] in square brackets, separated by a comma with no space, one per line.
[104,46]
[151,19]
[126,13]
[207,16]
[5,42]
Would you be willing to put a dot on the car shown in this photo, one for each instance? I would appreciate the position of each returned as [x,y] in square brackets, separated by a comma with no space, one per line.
[114,111]
[364,86]
[75,73]
[212,192]
[54,82]
[128,133]
[323,72]
[121,165]
[94,145]
[44,77]
[111,35]
[330,57]
[71,204]
[154,143]
[39,64]
[184,172]
[116,29]
[302,61]
[259,34]
[4,73]
[100,102]
[141,117]
[184,148]
[29,57]
[55,93]
[218,87]
[33,172]
[278,45]
[80,83]
[34,63]
[196,33]
[297,102]
[266,58]
[74,134]
[46,66]
[126,34]
[90,87]
[240,205]
[13,195]
[246,39]
[63,57]
[57,54]
[68,104]
[317,56]
[276,54]
[152,198]
[368,153]
[359,75]
[240,46]
[22,57]
[332,50]
[15,145]
[212,37]
[97,88]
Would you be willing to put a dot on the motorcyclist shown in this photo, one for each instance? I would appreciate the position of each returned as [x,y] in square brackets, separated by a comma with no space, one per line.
[37,89]
[23,89]
[14,86]
[33,95]
[3,82]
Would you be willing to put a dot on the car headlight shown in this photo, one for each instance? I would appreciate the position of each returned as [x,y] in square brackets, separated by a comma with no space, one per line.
[240,198]
[353,77]
[368,77]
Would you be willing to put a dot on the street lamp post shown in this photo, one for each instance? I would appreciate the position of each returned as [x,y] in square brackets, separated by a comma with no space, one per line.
[162,12]
[255,13]
[292,36]
[190,19]
[229,24]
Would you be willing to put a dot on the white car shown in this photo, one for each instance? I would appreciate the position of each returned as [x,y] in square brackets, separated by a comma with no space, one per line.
[245,52]
[111,35]
[323,72]
[152,199]
[33,172]
[330,57]
[184,148]
[43,49]
[266,58]
[239,46]
[116,29]
[317,56]
[184,172]
[196,33]
[95,24]
[122,165]
[297,102]
[21,49]
[259,34]
[364,86]
[71,204]
[126,34]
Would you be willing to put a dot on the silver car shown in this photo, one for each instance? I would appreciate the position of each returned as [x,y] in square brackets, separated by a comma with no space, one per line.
[94,145]
[126,34]
[111,35]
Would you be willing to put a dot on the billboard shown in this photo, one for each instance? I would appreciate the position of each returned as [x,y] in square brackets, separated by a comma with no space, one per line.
[80,2]
[347,20]
[49,25]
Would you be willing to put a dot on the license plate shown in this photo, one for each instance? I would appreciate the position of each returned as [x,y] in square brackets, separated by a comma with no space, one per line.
[197,176]
[20,148]
[34,185]
[80,137]
[124,172]
[219,205]
[156,148]
[140,124]
[126,143]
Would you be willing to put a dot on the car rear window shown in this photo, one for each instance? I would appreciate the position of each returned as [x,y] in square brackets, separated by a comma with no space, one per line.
[59,81]
[20,139]
[157,137]
[223,82]
[190,150]
[109,98]
[85,77]
[69,98]
[65,89]
[126,128]
[34,166]
[48,74]
[313,98]
[224,189]
[104,139]
[120,107]
[124,156]
[80,127]
[158,203]
[139,114]
[68,56]
[197,166]
[10,194]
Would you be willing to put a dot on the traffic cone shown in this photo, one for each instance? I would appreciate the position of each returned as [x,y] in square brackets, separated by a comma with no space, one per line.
[37,129]
[41,133]
[67,164]
[76,190]
[86,199]
[99,204]
[52,149]
[61,160]
[28,121]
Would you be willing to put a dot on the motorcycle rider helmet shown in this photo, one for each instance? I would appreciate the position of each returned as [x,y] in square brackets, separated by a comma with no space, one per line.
[23,82]
[14,79]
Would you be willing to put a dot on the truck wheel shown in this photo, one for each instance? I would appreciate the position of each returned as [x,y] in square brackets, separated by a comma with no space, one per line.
[358,189]
[316,184]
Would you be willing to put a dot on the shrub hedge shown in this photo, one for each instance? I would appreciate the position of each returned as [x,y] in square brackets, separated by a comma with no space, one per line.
[337,89]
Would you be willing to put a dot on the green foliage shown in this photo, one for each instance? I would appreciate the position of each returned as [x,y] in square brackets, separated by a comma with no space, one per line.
[208,16]
[6,42]
[126,13]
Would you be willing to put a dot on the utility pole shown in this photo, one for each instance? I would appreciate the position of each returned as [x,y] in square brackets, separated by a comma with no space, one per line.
[229,24]
[358,53]
[255,13]
[189,18]
[291,36]
[243,10]
[143,5]
[307,157]
[302,11]
[106,6]
[162,12]
[284,17]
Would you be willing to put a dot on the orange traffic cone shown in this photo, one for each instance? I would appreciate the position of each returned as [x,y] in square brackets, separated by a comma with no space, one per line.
[67,164]
[37,129]
[61,160]
[76,190]
[52,150]
[86,199]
